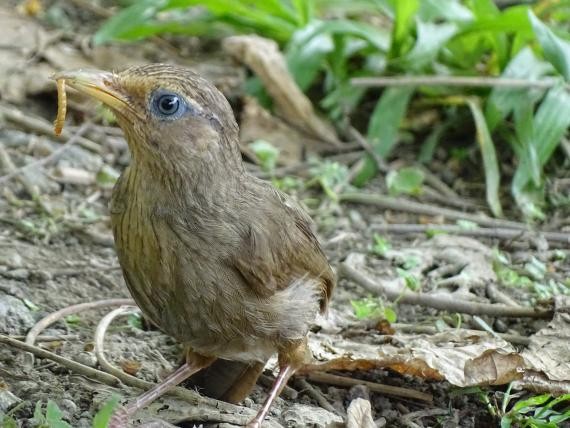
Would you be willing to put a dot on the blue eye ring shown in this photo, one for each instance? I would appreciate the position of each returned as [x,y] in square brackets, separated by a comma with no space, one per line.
[167,105]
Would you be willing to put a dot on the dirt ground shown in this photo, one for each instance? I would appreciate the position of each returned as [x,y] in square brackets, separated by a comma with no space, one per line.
[56,250]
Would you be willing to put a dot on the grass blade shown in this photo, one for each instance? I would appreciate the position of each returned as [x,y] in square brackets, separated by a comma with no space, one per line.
[556,50]
[492,175]
[383,127]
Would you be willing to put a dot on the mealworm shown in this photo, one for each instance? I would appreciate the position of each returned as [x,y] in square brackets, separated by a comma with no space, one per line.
[61,107]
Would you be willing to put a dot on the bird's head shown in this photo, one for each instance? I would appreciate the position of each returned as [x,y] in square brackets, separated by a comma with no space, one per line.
[168,113]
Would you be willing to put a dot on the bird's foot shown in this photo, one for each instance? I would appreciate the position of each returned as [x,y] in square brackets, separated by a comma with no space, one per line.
[119,418]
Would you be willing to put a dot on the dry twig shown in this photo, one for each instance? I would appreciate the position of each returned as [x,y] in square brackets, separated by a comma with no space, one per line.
[461,81]
[441,301]
[82,369]
[331,379]
[187,395]
[480,232]
[398,204]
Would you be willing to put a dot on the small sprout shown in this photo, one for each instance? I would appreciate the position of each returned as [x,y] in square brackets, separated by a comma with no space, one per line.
[53,417]
[370,307]
[411,280]
[535,268]
[381,245]
[430,233]
[287,183]
[407,181]
[101,419]
[135,321]
[266,153]
[106,176]
[329,175]
[410,262]
[467,225]
[72,319]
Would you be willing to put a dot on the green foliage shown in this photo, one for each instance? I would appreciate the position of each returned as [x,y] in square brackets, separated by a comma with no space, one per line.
[434,37]
[406,181]
[51,418]
[266,153]
[381,245]
[370,307]
[539,411]
[101,419]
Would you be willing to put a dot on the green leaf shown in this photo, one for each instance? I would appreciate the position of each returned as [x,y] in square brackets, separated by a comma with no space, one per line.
[556,50]
[381,245]
[367,308]
[128,20]
[502,101]
[430,39]
[405,11]
[449,10]
[549,125]
[406,181]
[54,416]
[266,153]
[487,147]
[390,315]
[103,416]
[383,127]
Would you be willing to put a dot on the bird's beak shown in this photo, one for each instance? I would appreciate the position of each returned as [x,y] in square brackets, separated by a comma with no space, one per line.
[99,85]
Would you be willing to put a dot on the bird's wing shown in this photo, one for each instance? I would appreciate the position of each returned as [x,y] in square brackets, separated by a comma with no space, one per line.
[280,248]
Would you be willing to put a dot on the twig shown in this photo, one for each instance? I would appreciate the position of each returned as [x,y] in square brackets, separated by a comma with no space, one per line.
[441,301]
[53,156]
[187,395]
[41,126]
[49,338]
[428,329]
[391,203]
[362,142]
[480,232]
[461,81]
[45,322]
[497,295]
[65,362]
[331,379]
[315,394]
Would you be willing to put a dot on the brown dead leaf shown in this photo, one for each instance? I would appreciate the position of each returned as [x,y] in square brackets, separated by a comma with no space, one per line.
[264,58]
[548,349]
[131,366]
[494,367]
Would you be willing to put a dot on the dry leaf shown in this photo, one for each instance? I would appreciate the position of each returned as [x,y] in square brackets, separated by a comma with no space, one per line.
[264,58]
[359,414]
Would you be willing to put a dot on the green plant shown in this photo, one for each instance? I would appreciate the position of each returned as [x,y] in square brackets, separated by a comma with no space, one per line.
[371,307]
[429,37]
[380,246]
[539,411]
[52,418]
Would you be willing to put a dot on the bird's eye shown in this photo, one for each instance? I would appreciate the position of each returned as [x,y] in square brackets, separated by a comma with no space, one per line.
[167,105]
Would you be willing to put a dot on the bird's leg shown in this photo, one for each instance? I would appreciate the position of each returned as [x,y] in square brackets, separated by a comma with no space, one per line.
[285,373]
[194,363]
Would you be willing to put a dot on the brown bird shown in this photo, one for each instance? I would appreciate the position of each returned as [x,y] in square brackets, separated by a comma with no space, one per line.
[215,257]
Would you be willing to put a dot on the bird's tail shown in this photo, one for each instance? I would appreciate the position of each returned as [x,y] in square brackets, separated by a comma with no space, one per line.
[230,381]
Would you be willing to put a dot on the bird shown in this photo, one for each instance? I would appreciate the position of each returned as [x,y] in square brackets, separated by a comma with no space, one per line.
[218,259]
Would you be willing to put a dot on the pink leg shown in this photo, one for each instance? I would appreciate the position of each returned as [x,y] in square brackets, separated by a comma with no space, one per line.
[284,374]
[120,418]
